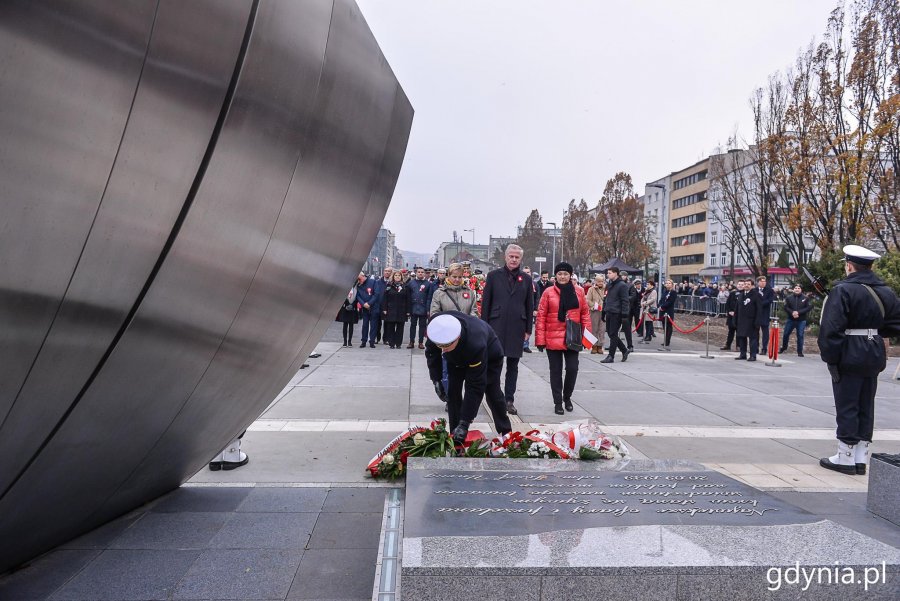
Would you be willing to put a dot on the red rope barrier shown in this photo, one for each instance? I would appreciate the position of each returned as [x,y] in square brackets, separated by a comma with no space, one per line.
[674,325]
[773,343]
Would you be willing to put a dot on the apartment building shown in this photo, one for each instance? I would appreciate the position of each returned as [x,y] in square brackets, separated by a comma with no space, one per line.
[687,227]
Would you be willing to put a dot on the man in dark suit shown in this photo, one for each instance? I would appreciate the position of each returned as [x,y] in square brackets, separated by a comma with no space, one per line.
[474,358]
[616,310]
[766,298]
[507,304]
[749,308]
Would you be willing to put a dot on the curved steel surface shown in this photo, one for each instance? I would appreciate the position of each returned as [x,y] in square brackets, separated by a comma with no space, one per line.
[169,221]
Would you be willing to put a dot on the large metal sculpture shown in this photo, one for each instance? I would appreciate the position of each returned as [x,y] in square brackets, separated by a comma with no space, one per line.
[186,191]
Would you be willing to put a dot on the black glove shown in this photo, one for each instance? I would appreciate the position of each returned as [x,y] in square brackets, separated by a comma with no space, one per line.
[439,390]
[835,373]
[460,432]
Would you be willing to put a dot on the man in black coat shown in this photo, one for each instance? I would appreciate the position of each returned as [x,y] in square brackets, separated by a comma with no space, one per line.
[507,304]
[616,311]
[474,358]
[731,305]
[857,317]
[749,308]
[796,307]
[767,297]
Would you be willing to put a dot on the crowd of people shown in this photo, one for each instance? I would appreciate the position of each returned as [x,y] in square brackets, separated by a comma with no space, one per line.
[470,325]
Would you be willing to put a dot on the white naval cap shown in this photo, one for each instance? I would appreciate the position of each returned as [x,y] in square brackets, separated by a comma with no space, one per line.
[859,254]
[444,329]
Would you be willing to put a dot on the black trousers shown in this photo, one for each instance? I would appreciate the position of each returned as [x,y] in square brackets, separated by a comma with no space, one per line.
[667,328]
[648,328]
[638,324]
[347,330]
[731,332]
[854,404]
[562,390]
[422,322]
[459,407]
[626,328]
[512,378]
[748,344]
[613,325]
[763,338]
[393,332]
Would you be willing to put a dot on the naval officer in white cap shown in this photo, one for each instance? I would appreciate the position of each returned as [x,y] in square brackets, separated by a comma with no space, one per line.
[858,315]
[474,358]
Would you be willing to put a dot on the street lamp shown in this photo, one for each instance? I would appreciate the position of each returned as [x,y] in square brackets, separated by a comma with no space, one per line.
[662,228]
[554,243]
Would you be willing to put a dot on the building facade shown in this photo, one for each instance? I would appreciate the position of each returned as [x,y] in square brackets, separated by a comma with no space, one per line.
[656,210]
[688,209]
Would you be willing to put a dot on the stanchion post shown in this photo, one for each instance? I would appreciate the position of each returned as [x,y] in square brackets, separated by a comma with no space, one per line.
[773,344]
[707,355]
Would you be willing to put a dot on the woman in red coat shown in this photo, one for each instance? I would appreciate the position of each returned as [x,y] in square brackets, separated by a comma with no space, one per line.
[564,300]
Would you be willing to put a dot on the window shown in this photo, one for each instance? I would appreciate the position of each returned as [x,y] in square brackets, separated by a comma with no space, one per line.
[807,256]
[687,260]
[714,238]
[689,239]
[712,258]
[689,220]
[688,200]
[691,179]
[724,259]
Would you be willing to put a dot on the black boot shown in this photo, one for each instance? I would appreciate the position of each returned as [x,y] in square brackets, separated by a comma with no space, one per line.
[558,409]
[568,404]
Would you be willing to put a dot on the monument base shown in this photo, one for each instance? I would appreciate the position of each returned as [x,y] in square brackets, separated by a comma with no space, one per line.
[648,530]
[884,487]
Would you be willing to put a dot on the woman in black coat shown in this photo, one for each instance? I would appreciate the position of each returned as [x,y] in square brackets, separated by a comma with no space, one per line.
[666,308]
[349,316]
[395,310]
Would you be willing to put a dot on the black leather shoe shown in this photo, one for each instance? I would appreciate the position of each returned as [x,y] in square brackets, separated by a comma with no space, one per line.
[568,404]
[609,359]
[625,356]
[371,345]
[781,350]
[526,350]
[800,354]
[363,345]
[511,408]
[741,358]
[752,358]
[630,349]
[724,348]
[558,410]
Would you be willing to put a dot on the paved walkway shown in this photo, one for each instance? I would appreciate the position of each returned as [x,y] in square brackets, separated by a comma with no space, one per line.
[302,519]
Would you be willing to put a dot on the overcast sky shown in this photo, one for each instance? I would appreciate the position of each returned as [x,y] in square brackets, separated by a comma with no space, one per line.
[524,104]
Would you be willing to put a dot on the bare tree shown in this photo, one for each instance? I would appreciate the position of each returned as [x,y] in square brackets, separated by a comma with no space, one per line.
[577,235]
[618,226]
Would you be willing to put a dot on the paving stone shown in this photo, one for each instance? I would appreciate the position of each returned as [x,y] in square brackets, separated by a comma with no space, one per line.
[346,531]
[240,574]
[335,574]
[284,500]
[171,531]
[194,499]
[46,574]
[354,500]
[100,538]
[340,401]
[265,531]
[125,575]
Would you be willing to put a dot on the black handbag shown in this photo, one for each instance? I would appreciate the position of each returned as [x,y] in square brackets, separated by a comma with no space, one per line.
[574,335]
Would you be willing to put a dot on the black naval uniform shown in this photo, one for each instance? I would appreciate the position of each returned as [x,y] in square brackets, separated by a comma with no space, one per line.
[850,342]
[477,362]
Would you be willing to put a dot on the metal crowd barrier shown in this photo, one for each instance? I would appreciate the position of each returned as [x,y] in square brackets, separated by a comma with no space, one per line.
[698,305]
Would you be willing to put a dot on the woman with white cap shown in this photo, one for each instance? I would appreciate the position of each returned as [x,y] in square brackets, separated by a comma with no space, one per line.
[561,302]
